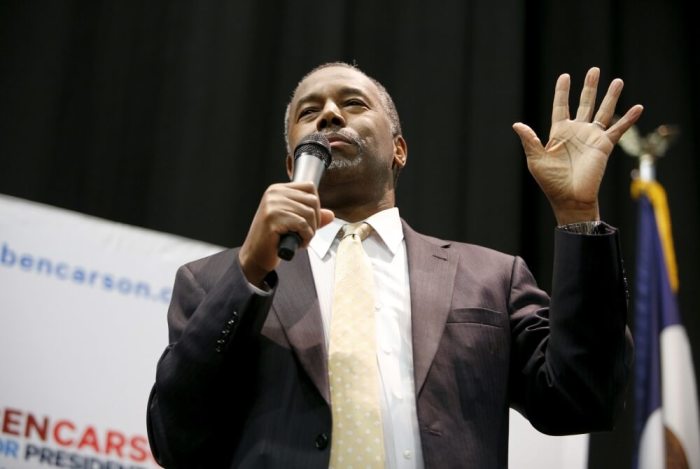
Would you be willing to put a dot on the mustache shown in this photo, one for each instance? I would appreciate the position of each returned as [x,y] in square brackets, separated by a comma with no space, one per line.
[343,135]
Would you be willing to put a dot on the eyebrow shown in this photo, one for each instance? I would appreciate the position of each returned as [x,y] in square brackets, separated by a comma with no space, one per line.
[344,91]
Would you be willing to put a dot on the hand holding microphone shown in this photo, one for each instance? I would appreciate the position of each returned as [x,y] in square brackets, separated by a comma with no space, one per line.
[311,158]
[289,212]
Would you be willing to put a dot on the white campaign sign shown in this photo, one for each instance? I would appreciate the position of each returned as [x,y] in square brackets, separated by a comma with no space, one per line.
[82,310]
[83,305]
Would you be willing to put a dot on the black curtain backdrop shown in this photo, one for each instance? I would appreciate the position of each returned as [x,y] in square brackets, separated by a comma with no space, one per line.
[168,115]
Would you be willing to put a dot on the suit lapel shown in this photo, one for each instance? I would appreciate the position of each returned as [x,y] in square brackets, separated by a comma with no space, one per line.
[296,306]
[432,269]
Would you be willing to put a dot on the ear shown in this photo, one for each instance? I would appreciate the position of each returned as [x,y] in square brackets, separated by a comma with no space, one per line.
[290,166]
[400,152]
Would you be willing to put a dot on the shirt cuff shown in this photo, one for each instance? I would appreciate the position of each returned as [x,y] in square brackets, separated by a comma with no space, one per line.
[584,227]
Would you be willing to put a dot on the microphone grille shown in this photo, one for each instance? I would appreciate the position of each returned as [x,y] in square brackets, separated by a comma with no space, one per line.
[315,144]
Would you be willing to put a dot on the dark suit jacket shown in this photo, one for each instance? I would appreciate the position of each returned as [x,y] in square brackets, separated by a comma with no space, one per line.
[244,382]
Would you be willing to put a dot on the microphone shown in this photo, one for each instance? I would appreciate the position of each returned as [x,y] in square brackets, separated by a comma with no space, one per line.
[311,158]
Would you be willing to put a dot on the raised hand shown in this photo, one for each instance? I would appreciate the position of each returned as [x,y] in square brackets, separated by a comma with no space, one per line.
[570,168]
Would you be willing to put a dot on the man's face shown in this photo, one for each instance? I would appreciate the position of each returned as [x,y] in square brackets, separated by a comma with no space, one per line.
[346,106]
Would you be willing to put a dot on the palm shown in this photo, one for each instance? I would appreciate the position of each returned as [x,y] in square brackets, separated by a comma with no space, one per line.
[572,164]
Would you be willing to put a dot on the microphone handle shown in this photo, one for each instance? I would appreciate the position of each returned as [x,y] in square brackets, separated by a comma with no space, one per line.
[288,246]
[308,167]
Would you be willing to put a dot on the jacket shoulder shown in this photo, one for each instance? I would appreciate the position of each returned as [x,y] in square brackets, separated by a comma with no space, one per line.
[468,251]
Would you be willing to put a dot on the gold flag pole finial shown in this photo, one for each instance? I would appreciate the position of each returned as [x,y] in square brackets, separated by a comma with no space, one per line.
[648,148]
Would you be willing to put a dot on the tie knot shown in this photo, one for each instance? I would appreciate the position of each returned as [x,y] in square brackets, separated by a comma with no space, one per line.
[360,229]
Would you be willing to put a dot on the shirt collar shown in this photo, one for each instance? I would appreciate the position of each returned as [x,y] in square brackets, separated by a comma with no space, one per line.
[386,225]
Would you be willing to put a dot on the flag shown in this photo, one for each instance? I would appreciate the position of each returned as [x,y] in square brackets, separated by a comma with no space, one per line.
[666,412]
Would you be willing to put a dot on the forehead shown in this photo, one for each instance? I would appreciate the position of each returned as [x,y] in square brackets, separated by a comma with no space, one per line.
[329,80]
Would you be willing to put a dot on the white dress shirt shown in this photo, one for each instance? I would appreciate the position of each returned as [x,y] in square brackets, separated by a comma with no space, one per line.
[386,249]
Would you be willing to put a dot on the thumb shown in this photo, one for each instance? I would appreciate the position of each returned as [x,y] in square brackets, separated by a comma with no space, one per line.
[327,216]
[528,138]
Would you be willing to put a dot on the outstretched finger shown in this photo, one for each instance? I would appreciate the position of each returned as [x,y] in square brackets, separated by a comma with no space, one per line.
[624,123]
[607,106]
[586,104]
[560,107]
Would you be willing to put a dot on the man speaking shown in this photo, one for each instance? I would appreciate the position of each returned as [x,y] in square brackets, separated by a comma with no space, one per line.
[377,346]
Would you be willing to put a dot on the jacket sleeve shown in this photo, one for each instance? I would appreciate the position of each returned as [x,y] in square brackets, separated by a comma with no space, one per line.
[571,361]
[192,405]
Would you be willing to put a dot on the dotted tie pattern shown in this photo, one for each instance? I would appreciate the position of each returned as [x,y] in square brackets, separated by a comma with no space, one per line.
[357,439]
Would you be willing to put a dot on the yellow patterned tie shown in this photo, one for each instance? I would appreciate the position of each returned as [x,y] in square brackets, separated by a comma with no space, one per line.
[357,439]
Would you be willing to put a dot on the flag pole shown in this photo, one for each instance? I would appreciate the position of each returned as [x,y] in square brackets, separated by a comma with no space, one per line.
[647,167]
[647,149]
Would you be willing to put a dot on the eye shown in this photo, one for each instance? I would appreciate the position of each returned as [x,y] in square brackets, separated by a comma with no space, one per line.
[306,111]
[355,102]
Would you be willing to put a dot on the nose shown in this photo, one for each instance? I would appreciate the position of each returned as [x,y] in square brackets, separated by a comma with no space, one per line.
[330,117]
